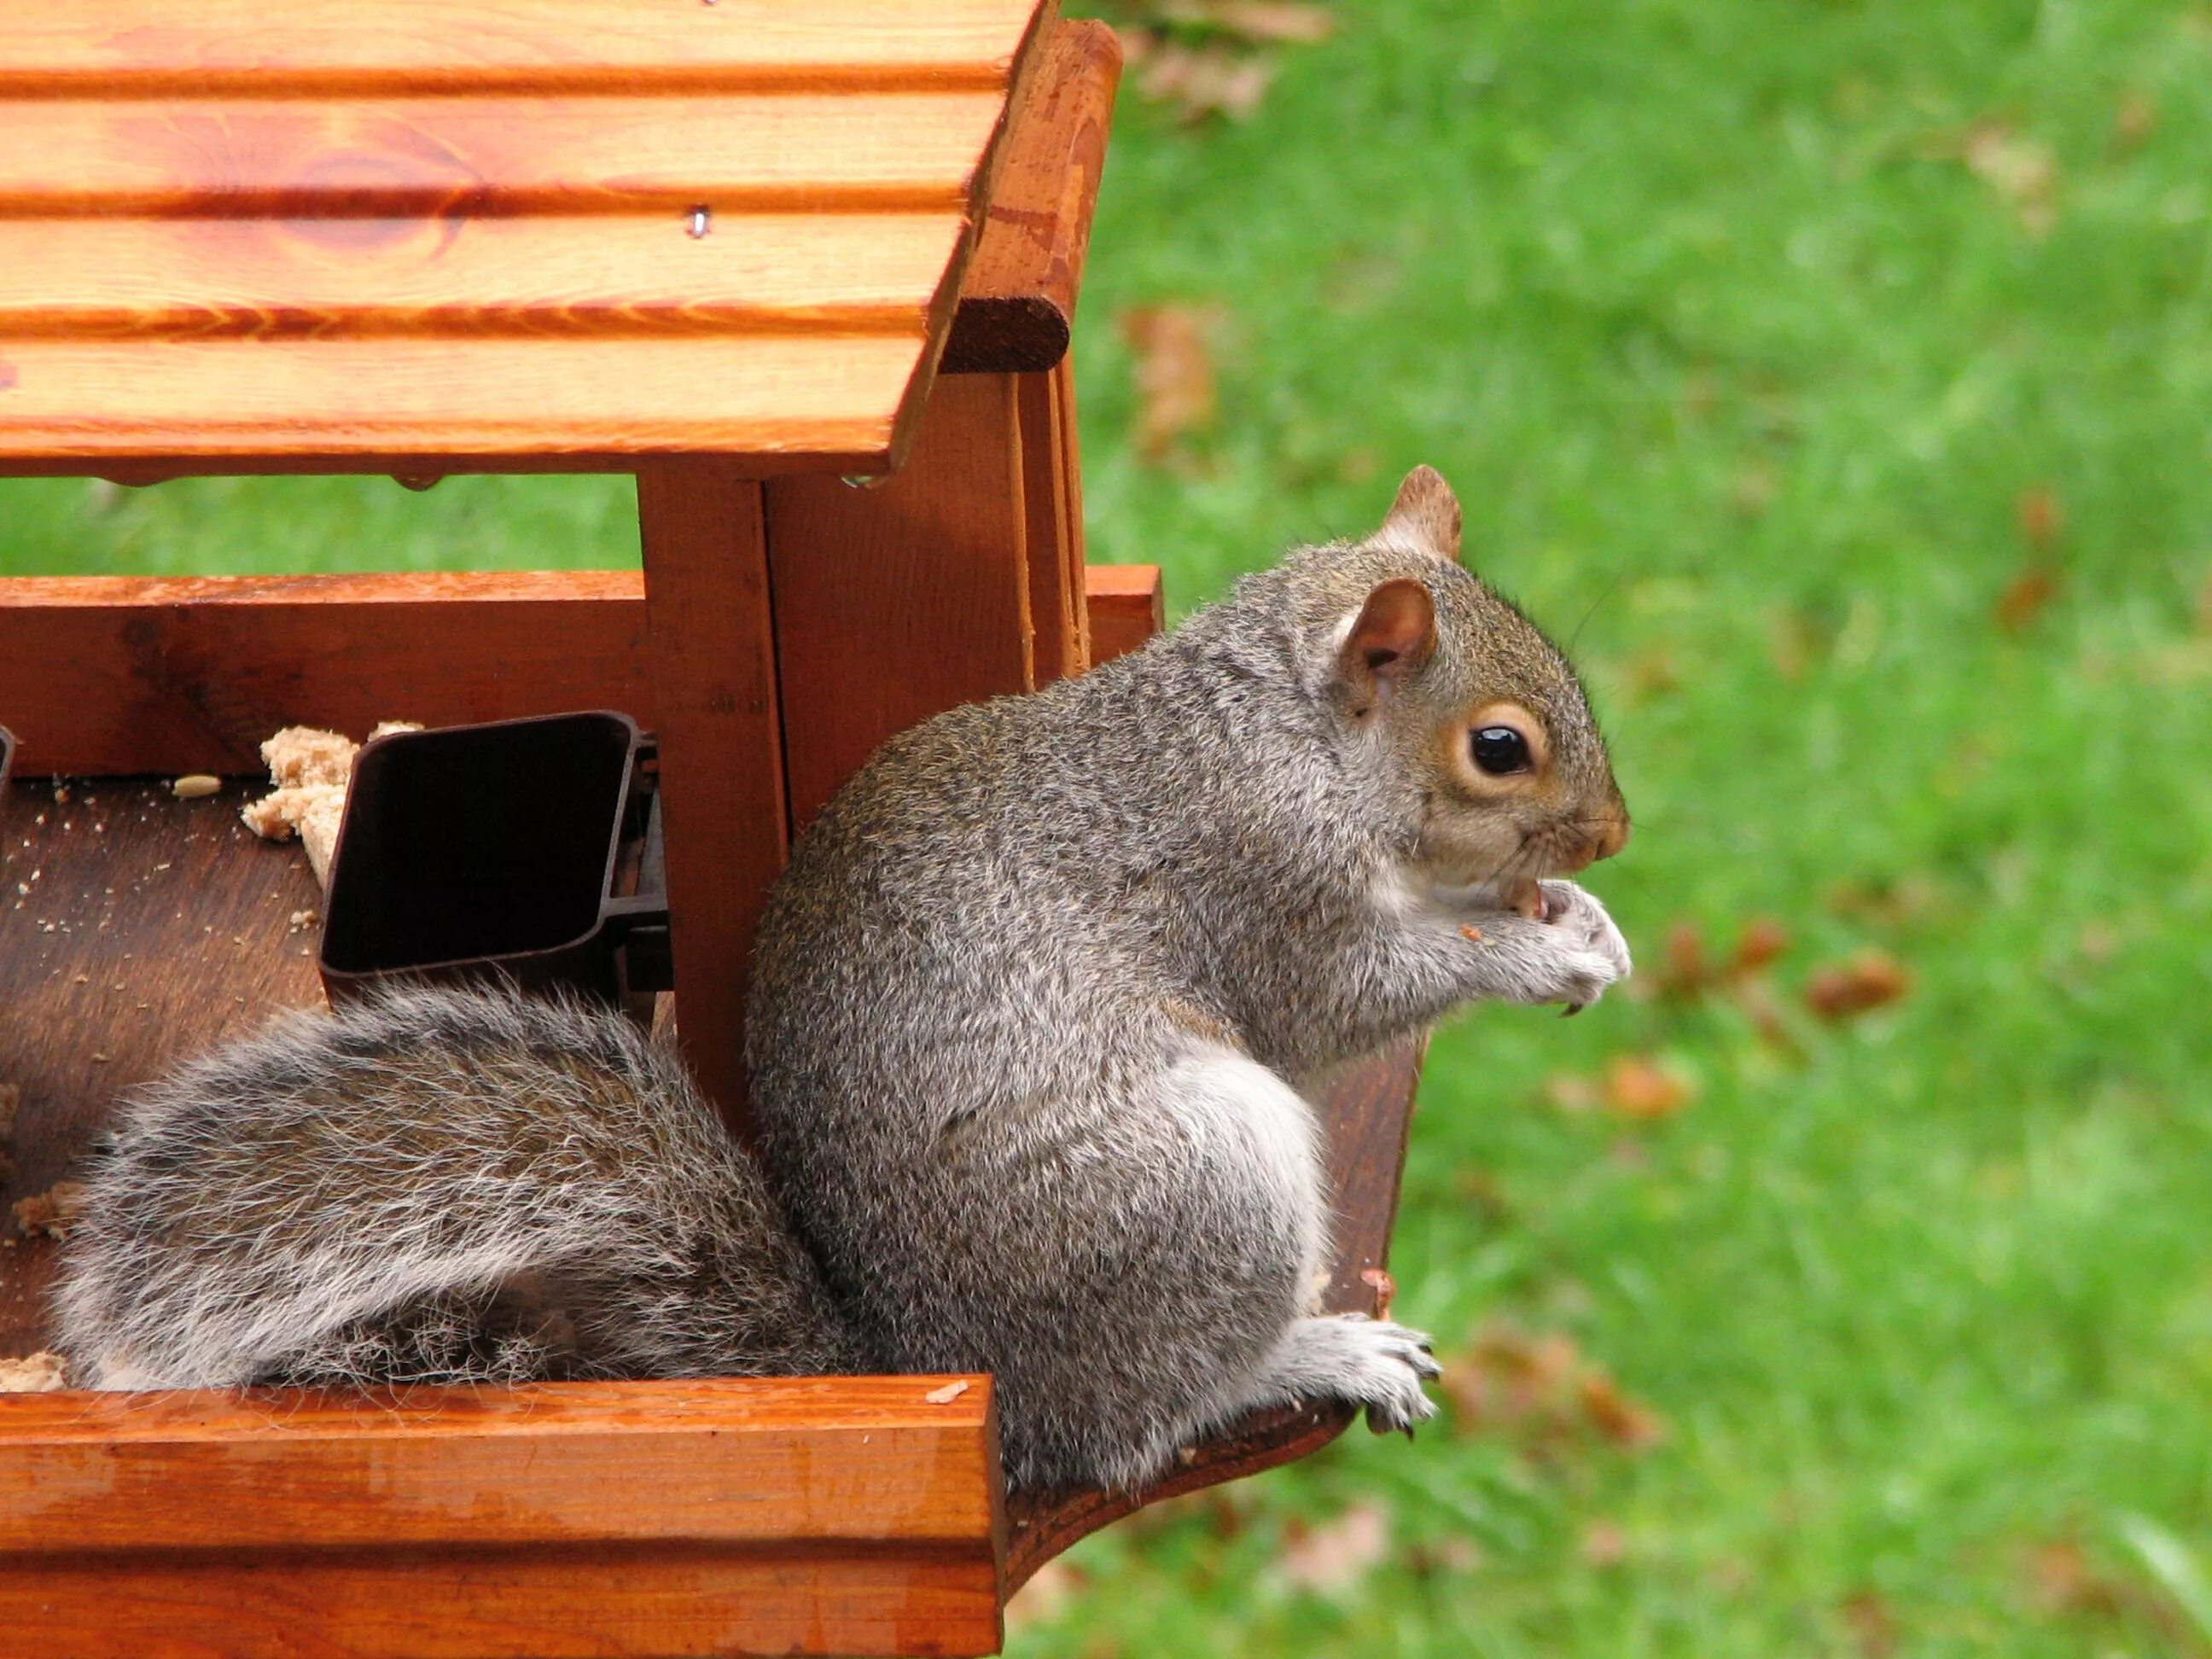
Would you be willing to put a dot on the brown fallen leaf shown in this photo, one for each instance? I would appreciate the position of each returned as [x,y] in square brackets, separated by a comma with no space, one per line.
[1274,22]
[1201,80]
[1331,1558]
[1872,1625]
[2041,519]
[2135,120]
[1762,941]
[1870,980]
[1175,381]
[1543,1389]
[1684,972]
[1642,1089]
[2021,170]
[2025,597]
[1604,1544]
[1625,1422]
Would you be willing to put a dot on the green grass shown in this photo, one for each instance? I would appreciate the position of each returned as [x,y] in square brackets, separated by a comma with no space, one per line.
[1742,371]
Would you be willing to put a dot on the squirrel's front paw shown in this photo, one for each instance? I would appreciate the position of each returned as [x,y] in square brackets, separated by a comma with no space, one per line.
[1569,955]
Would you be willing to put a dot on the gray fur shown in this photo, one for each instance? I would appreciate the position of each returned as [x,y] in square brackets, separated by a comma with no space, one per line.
[1030,1015]
[433,1187]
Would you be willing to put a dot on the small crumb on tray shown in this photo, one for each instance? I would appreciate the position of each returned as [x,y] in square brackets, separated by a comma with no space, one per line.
[195,786]
[948,1394]
[52,1212]
[38,1373]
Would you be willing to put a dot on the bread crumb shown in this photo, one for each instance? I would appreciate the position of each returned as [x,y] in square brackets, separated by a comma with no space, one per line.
[301,755]
[37,1373]
[948,1394]
[53,1211]
[194,786]
[310,770]
[303,919]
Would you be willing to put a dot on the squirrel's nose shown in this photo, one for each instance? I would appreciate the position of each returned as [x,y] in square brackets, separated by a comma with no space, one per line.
[1612,838]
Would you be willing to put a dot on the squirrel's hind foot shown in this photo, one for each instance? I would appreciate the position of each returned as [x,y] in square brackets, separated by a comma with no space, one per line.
[1370,1363]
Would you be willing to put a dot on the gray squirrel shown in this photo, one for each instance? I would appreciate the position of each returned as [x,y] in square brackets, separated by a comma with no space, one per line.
[1030,1015]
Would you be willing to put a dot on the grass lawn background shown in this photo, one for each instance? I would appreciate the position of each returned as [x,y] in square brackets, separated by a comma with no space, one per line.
[1840,377]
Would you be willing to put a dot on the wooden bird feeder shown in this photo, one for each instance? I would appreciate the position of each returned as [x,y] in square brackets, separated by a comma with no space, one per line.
[753,252]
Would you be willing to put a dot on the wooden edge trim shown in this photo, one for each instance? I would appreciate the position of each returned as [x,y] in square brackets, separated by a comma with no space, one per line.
[1125,605]
[1017,301]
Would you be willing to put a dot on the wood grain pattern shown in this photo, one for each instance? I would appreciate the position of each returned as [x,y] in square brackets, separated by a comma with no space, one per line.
[267,279]
[828,1516]
[1054,568]
[643,1601]
[1126,605]
[721,1461]
[1018,306]
[480,157]
[149,48]
[1366,1112]
[104,675]
[895,602]
[135,929]
[109,674]
[714,656]
[833,401]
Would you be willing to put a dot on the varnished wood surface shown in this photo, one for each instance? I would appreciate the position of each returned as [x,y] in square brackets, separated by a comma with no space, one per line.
[399,231]
[153,49]
[714,660]
[1018,303]
[1128,606]
[1049,535]
[895,602]
[1367,1114]
[763,1460]
[104,675]
[527,278]
[822,1516]
[152,927]
[648,1601]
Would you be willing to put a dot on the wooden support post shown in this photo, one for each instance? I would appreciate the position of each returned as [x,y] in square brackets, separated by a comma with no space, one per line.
[712,646]
[1055,595]
[897,601]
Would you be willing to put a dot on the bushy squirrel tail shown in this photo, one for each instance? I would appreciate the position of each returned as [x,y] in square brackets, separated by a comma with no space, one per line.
[434,1186]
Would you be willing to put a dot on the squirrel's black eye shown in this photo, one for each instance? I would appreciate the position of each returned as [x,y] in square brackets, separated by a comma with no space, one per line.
[1499,749]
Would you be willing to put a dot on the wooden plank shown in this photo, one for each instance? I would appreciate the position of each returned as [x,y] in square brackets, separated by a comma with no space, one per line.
[117,674]
[103,675]
[1127,607]
[135,929]
[895,602]
[1056,644]
[724,1461]
[457,405]
[479,157]
[361,278]
[1018,304]
[1070,457]
[1366,1112]
[713,649]
[642,1602]
[147,48]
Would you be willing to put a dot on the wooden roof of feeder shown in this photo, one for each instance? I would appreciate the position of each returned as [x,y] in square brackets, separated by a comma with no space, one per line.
[537,233]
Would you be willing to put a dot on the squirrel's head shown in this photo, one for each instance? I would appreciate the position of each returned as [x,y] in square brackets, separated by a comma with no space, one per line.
[1467,698]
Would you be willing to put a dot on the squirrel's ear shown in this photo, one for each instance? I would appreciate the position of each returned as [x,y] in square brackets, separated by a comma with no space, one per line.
[1393,635]
[1425,514]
